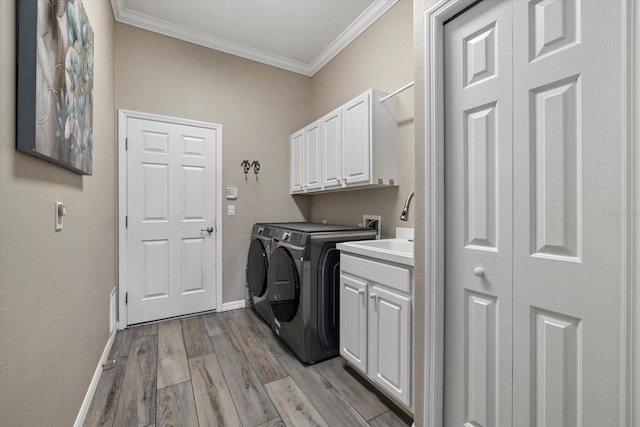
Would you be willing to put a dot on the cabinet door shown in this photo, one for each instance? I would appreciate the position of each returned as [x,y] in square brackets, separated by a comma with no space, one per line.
[353,321]
[356,140]
[389,342]
[332,149]
[297,140]
[312,157]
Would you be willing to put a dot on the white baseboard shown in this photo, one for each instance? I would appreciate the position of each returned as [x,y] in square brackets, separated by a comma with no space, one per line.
[233,305]
[84,409]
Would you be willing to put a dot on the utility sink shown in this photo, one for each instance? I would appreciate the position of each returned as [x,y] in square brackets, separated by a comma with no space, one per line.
[392,250]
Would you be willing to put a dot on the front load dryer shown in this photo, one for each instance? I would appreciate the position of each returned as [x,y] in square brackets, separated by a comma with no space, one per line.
[303,285]
[257,266]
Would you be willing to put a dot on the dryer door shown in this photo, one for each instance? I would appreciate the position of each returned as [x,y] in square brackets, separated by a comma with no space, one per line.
[328,297]
[283,285]
[257,268]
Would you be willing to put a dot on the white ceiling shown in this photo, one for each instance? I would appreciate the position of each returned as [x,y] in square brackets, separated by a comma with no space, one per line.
[297,35]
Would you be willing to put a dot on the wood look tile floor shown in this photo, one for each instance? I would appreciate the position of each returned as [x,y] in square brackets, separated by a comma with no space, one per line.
[228,369]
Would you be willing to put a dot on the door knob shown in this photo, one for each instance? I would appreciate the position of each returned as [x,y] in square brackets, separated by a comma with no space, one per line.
[208,230]
[478,271]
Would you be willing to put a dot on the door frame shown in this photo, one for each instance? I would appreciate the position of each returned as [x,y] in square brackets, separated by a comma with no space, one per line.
[123,286]
[433,381]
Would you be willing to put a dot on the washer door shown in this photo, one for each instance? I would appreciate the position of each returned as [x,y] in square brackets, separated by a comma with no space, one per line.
[283,285]
[257,268]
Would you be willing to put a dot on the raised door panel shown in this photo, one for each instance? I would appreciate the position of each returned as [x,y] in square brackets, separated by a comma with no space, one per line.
[332,149]
[312,156]
[353,321]
[389,342]
[296,161]
[356,140]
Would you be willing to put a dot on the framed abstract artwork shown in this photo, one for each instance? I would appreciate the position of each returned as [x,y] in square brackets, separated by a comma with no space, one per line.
[55,83]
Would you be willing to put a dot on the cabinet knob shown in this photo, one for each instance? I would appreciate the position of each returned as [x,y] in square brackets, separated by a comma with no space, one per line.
[372,295]
[360,291]
[478,271]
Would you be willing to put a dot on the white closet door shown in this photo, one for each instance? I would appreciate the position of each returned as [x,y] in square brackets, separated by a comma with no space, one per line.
[478,205]
[568,260]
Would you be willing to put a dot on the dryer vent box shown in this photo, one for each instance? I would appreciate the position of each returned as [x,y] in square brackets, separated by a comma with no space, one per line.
[374,222]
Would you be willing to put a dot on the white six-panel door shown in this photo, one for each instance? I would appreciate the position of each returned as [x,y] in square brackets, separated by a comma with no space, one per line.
[568,164]
[171,191]
[478,204]
[533,265]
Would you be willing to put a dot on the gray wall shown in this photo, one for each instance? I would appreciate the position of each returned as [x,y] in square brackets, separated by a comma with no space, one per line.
[257,106]
[380,58]
[54,286]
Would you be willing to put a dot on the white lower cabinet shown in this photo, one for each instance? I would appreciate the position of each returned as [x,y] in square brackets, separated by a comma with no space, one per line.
[353,324]
[389,349]
[375,323]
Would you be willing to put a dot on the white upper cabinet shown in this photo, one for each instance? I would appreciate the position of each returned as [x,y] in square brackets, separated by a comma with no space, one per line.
[356,154]
[296,150]
[332,149]
[353,146]
[311,154]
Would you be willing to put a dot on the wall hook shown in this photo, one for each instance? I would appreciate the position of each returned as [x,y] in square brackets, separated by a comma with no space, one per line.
[256,168]
[245,166]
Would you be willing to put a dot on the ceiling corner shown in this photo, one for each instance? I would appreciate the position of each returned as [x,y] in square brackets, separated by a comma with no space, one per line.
[357,27]
[367,18]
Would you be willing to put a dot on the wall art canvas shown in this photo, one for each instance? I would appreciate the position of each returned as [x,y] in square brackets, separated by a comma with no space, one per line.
[55,83]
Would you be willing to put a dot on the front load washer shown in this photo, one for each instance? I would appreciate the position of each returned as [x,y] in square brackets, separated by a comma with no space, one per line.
[257,266]
[303,285]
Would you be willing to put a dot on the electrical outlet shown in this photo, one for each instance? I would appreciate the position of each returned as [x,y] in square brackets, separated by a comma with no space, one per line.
[373,221]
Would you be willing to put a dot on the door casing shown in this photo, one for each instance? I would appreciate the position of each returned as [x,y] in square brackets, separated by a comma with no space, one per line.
[433,385]
[123,286]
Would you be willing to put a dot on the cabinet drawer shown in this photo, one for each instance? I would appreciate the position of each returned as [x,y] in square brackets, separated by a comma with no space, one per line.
[388,275]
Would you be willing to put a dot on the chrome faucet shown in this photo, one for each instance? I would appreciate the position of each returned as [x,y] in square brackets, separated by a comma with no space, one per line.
[404,216]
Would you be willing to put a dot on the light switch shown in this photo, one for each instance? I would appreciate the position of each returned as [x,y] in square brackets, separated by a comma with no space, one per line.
[60,212]
[231,210]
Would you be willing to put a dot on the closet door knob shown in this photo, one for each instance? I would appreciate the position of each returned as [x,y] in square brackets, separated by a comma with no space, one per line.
[478,271]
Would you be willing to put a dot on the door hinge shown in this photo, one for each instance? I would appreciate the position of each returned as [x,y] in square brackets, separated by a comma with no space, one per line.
[126,144]
[126,298]
[126,221]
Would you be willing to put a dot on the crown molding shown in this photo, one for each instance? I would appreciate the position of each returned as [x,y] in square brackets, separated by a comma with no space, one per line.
[368,17]
[357,27]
